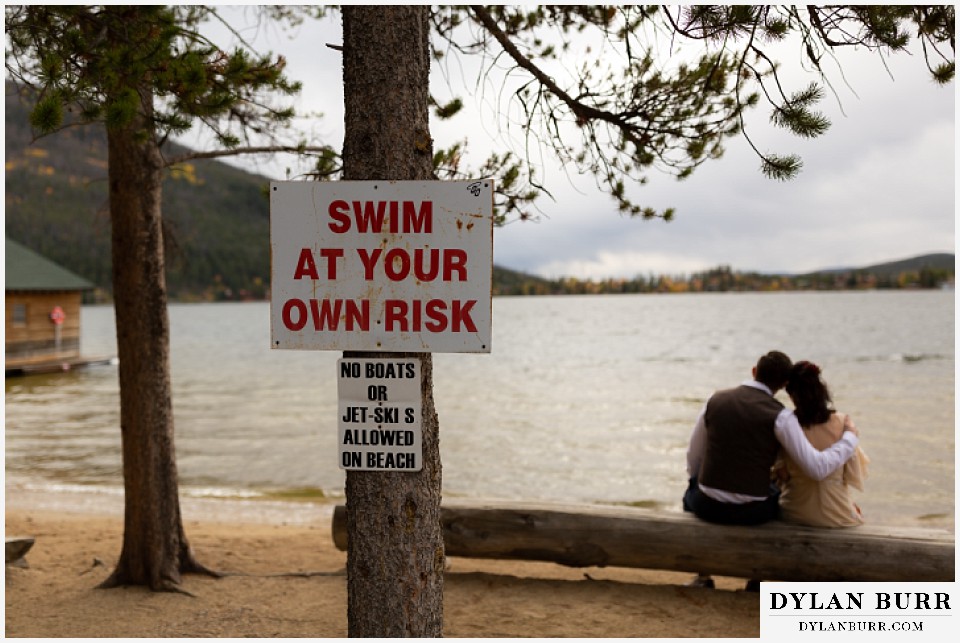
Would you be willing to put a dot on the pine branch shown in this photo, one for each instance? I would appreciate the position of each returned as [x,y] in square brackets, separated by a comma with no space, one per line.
[582,111]
[213,154]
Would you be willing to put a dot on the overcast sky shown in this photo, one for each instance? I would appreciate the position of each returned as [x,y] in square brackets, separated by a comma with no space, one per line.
[878,186]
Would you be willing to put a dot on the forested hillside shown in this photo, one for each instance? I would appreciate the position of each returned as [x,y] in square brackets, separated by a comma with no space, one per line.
[216,216]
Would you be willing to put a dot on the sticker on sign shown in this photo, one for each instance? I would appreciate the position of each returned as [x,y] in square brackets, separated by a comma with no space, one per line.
[390,266]
[379,414]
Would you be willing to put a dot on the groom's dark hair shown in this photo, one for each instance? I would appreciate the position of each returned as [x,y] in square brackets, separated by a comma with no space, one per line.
[773,369]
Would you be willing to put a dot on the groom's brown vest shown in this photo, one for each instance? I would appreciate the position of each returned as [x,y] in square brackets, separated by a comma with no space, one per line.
[741,445]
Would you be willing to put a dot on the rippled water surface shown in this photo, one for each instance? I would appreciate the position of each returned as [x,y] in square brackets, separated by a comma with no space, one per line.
[586,399]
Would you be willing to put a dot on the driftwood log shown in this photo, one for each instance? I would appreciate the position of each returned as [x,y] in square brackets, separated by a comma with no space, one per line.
[590,535]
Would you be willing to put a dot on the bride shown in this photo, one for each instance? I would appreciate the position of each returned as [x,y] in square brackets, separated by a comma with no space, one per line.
[827,503]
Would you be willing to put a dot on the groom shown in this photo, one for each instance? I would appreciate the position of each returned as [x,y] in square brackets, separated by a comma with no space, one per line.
[735,443]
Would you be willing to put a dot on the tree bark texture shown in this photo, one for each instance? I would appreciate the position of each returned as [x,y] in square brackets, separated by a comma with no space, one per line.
[395,559]
[155,550]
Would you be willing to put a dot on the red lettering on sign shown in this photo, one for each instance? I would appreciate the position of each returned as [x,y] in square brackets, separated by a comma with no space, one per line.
[425,262]
[417,221]
[424,274]
[369,216]
[331,255]
[438,323]
[408,317]
[358,317]
[397,264]
[327,314]
[305,266]
[288,308]
[339,212]
[395,313]
[454,260]
[369,259]
[374,217]
[434,311]
[461,315]
[324,315]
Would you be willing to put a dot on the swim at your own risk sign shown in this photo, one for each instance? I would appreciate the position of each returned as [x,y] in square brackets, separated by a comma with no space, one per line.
[387,266]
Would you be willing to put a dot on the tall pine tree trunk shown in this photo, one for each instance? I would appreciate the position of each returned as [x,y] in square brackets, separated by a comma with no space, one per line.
[155,550]
[395,554]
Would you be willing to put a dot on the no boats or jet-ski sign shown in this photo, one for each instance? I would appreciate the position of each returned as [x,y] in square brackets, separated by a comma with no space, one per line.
[380,414]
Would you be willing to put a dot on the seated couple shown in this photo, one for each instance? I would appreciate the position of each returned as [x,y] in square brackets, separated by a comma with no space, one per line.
[752,460]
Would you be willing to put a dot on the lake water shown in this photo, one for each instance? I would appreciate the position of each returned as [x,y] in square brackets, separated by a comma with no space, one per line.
[583,399]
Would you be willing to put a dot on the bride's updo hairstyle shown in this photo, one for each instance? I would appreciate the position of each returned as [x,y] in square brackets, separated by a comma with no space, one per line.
[809,394]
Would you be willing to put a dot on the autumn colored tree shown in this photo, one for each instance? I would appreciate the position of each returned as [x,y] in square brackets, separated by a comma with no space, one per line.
[147,73]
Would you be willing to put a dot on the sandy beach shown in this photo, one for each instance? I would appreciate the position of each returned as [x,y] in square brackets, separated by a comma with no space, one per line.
[291,582]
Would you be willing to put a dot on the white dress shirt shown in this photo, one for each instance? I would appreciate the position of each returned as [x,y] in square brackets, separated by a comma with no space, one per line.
[816,464]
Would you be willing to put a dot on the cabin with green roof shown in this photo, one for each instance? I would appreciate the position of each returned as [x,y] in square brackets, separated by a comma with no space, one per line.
[43,312]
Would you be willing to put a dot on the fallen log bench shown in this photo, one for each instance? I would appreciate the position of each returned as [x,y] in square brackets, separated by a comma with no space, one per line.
[610,536]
